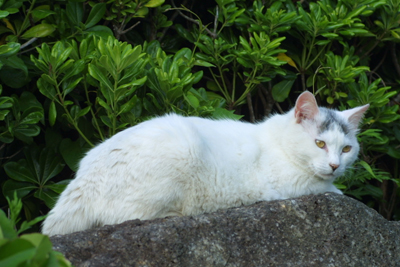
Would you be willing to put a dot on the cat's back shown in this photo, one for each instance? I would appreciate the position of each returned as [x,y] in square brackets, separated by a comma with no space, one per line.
[171,138]
[185,130]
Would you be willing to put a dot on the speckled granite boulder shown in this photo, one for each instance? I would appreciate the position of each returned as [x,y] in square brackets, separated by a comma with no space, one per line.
[316,230]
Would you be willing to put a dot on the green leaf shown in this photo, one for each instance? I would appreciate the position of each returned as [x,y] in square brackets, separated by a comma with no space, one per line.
[367,167]
[104,104]
[25,132]
[98,75]
[106,120]
[42,242]
[42,13]
[330,35]
[393,152]
[72,152]
[221,113]
[15,78]
[281,90]
[46,88]
[74,11]
[192,100]
[26,225]
[323,42]
[96,14]
[100,31]
[19,172]
[43,163]
[52,113]
[16,252]
[3,14]
[48,196]
[203,63]
[138,82]
[69,85]
[128,105]
[16,63]
[83,112]
[154,3]
[9,49]
[3,114]
[32,118]
[6,228]
[41,30]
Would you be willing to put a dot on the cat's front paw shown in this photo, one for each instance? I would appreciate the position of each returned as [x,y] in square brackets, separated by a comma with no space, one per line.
[333,189]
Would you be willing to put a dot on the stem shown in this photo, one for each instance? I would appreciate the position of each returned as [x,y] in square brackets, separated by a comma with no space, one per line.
[70,117]
[373,46]
[28,43]
[234,80]
[309,51]
[223,81]
[316,57]
[394,58]
[216,20]
[113,106]
[214,36]
[303,81]
[92,112]
[251,110]
[249,86]
[173,17]
[227,97]
[263,101]
[23,25]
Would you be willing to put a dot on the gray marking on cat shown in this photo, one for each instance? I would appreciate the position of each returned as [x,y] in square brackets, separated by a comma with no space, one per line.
[331,119]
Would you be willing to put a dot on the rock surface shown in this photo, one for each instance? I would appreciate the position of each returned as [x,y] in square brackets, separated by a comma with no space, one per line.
[315,230]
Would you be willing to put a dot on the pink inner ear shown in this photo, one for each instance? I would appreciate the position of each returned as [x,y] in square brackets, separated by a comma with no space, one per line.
[306,107]
[355,115]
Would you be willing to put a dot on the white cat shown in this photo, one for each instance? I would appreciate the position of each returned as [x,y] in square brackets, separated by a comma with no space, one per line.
[173,165]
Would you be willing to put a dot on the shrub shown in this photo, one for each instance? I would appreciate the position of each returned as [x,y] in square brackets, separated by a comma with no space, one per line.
[74,73]
[28,249]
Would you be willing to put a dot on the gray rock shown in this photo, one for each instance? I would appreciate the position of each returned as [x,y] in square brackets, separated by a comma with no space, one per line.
[315,230]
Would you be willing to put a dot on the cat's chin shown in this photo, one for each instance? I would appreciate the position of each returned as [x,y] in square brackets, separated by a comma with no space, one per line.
[330,176]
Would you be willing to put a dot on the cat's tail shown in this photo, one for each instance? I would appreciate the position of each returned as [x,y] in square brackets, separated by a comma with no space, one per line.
[69,215]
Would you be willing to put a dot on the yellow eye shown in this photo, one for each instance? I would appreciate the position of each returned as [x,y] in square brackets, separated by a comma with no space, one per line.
[346,149]
[320,144]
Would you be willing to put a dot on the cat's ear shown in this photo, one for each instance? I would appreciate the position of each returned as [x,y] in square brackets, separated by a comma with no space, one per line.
[355,115]
[306,107]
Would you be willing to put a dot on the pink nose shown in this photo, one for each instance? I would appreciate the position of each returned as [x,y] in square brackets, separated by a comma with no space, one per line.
[334,166]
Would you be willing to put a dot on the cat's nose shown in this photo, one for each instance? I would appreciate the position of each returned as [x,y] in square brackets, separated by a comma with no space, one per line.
[334,166]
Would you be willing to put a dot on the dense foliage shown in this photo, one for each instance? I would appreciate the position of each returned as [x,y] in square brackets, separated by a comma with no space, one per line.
[75,72]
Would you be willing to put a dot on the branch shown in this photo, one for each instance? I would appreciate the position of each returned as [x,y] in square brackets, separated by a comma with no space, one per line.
[28,43]
[251,110]
[213,35]
[394,58]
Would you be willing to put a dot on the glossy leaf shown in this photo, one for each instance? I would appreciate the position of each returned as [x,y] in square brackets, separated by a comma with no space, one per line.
[280,91]
[41,30]
[52,113]
[154,3]
[9,49]
[19,172]
[72,152]
[96,14]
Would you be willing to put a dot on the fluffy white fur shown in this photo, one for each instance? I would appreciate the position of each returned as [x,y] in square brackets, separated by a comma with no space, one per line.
[173,165]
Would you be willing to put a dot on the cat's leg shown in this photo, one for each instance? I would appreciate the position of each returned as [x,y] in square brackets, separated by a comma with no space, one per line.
[334,189]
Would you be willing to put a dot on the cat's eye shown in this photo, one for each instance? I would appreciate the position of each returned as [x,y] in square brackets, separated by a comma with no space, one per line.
[346,149]
[319,143]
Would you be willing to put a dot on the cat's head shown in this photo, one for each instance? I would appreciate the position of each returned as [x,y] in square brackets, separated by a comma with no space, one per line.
[332,141]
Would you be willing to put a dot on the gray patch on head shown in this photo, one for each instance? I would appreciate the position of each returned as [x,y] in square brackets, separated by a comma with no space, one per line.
[331,120]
